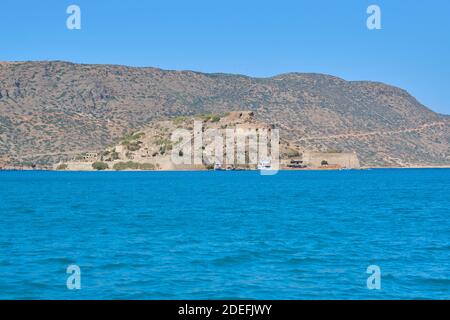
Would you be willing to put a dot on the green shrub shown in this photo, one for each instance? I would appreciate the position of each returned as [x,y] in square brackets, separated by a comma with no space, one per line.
[100,165]
[164,145]
[114,155]
[146,166]
[215,118]
[62,166]
[179,119]
[130,165]
[134,146]
[126,165]
[133,136]
[163,141]
[130,141]
[292,153]
[210,117]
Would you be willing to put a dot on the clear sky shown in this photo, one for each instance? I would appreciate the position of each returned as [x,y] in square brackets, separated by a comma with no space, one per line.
[257,38]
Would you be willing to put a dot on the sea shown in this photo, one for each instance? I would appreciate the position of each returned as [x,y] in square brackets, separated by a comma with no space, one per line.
[351,234]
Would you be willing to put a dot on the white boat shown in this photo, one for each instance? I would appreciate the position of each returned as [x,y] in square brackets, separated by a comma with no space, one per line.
[264,165]
[218,166]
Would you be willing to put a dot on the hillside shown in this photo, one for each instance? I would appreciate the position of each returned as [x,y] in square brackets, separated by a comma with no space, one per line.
[152,147]
[233,141]
[55,110]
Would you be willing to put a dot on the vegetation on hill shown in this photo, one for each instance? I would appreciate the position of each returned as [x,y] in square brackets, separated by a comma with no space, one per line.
[100,165]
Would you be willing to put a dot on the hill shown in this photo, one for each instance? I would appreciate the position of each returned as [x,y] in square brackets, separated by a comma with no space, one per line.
[55,110]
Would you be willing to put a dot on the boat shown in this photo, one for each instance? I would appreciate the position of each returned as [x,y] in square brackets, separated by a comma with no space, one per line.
[218,166]
[264,165]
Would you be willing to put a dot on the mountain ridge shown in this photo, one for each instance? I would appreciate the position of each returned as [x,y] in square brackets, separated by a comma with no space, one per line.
[299,73]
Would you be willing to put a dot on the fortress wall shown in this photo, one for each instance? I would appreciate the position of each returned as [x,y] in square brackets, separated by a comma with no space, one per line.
[79,166]
[344,159]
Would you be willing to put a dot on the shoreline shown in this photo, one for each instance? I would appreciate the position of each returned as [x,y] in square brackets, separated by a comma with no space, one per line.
[206,170]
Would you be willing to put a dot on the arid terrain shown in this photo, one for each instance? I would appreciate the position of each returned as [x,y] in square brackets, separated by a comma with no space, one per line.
[233,141]
[53,111]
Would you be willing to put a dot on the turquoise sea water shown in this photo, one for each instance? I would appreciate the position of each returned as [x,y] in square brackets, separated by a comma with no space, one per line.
[225,235]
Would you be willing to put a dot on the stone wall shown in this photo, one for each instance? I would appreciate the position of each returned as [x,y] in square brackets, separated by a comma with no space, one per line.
[343,159]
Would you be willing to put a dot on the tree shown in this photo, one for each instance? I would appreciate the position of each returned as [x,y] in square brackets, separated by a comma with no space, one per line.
[100,165]
[62,166]
[324,163]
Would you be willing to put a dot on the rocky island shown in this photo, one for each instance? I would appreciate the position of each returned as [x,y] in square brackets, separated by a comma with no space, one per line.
[53,112]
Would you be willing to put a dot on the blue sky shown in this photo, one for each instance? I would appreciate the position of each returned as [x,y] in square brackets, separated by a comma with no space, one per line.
[258,38]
